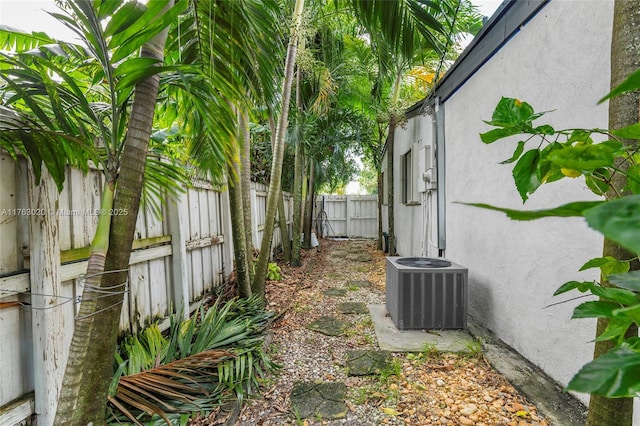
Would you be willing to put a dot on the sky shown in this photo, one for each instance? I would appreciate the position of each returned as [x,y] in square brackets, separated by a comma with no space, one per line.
[486,7]
[29,15]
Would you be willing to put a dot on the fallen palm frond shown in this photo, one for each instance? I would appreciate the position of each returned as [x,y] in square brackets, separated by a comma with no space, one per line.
[215,355]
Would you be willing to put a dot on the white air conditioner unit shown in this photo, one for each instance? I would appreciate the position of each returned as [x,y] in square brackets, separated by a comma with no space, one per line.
[426,293]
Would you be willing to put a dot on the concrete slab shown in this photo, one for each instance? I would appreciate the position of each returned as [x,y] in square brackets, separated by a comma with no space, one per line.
[394,340]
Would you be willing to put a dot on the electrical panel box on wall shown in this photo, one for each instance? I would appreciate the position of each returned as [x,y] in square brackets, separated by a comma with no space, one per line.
[428,175]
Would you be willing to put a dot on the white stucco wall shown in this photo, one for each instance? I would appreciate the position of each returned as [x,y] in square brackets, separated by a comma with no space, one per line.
[558,61]
[415,225]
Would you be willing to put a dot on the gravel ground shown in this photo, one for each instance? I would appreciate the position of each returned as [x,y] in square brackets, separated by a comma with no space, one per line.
[427,388]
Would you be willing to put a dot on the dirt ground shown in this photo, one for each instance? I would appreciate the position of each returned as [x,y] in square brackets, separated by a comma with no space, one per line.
[425,388]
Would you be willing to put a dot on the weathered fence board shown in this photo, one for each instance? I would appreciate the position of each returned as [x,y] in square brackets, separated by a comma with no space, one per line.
[8,227]
[13,355]
[177,258]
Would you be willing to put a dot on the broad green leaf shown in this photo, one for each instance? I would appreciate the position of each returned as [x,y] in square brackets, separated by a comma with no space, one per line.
[567,210]
[525,173]
[630,84]
[618,220]
[597,181]
[547,170]
[595,309]
[617,295]
[105,8]
[20,41]
[132,67]
[617,147]
[633,178]
[580,135]
[145,19]
[545,129]
[149,24]
[164,134]
[496,134]
[608,265]
[134,77]
[629,132]
[629,280]
[128,14]
[616,329]
[631,312]
[585,158]
[614,374]
[581,286]
[511,113]
[516,154]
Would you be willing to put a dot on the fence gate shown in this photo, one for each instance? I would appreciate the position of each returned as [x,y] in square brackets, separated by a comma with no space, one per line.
[353,216]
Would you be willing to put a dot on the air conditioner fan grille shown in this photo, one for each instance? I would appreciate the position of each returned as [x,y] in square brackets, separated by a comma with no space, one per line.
[423,262]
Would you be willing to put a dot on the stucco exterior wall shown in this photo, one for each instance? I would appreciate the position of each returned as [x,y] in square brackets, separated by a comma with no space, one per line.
[554,64]
[558,61]
[415,222]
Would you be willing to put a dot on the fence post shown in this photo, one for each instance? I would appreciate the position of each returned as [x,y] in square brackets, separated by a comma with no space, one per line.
[49,340]
[178,231]
[255,217]
[348,218]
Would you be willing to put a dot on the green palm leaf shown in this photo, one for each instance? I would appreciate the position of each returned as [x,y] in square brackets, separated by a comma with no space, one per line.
[205,359]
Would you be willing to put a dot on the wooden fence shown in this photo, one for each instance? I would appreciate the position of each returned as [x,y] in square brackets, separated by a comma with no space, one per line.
[178,256]
[353,216]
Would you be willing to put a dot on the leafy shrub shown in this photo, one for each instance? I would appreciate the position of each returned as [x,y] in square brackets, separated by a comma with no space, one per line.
[216,355]
[274,272]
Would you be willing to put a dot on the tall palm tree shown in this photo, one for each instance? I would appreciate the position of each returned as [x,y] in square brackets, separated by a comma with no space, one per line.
[278,152]
[99,106]
[82,399]
[234,43]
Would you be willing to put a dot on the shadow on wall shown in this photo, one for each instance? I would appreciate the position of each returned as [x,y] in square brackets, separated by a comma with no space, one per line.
[481,302]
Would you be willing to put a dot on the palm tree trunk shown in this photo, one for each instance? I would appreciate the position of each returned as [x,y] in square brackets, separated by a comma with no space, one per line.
[308,210]
[390,183]
[238,232]
[242,243]
[90,363]
[393,122]
[245,174]
[623,111]
[282,213]
[278,154]
[380,196]
[74,405]
[284,229]
[297,206]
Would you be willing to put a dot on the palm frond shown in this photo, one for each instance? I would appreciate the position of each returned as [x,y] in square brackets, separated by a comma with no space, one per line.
[215,354]
[398,22]
[232,44]
[13,39]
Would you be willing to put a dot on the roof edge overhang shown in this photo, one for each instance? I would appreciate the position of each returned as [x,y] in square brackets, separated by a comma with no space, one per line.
[506,22]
